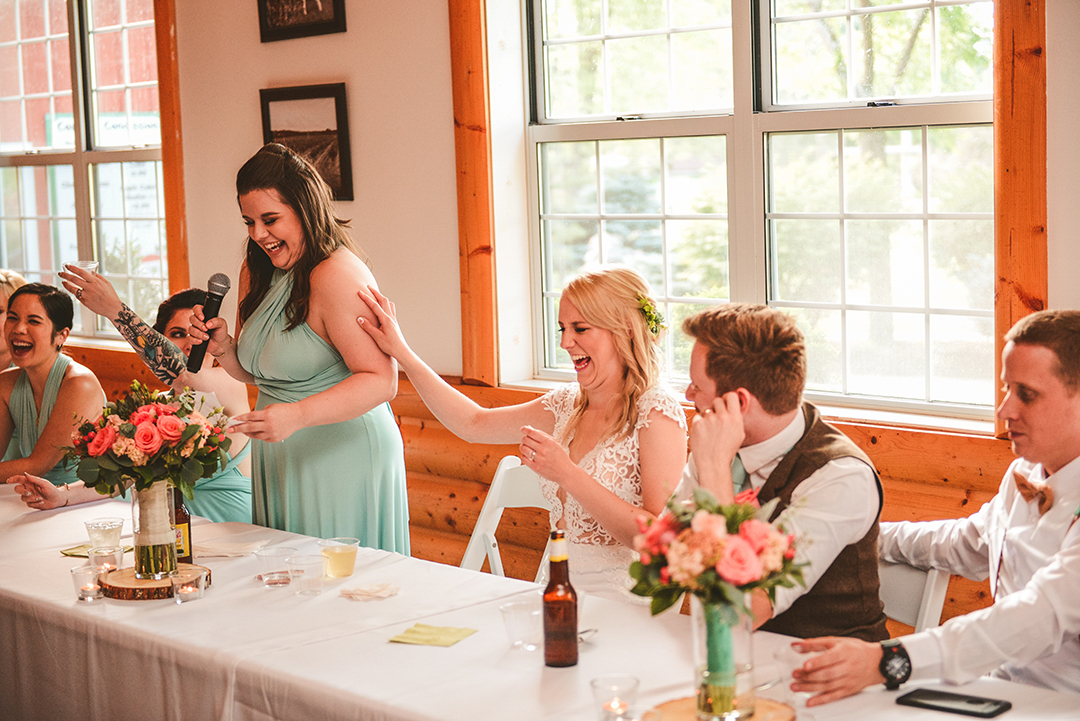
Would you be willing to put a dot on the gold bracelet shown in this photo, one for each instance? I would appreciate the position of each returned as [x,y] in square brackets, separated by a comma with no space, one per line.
[67,498]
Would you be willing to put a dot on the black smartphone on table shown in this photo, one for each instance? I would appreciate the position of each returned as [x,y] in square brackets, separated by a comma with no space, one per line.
[954,703]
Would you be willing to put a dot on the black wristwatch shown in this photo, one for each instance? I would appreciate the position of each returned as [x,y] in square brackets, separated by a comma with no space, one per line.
[895,664]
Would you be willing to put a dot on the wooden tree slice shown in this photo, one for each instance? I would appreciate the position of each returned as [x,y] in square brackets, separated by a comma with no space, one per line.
[121,584]
[685,709]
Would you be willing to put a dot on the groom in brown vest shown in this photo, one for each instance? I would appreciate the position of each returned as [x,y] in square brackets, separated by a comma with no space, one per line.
[753,431]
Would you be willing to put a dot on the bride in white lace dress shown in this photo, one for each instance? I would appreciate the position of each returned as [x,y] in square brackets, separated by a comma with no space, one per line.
[609,448]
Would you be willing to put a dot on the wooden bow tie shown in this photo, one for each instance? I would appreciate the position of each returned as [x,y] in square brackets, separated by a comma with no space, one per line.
[1035,491]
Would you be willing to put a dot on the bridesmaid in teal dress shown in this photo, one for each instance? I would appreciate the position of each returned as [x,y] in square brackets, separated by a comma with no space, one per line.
[225,496]
[9,281]
[45,391]
[328,458]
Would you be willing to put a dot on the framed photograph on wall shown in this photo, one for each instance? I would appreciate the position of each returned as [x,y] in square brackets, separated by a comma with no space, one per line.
[313,121]
[285,19]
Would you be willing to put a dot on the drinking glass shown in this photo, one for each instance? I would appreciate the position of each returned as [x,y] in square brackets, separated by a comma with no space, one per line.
[104,531]
[340,554]
[273,571]
[306,574]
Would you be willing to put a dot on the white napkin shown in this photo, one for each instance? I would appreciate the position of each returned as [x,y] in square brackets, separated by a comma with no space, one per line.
[367,593]
[225,549]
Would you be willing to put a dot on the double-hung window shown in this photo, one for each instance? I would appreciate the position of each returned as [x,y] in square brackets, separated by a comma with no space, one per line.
[80,137]
[829,157]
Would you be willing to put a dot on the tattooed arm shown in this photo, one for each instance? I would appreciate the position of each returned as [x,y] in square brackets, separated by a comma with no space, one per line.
[159,354]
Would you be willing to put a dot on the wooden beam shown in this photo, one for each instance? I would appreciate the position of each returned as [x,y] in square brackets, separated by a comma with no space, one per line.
[472,147]
[172,150]
[1020,211]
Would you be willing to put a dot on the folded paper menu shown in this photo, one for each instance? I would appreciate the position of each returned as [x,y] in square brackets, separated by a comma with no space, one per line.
[83,551]
[223,549]
[425,635]
[367,593]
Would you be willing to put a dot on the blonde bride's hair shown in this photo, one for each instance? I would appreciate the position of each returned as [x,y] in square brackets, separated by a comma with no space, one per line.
[612,298]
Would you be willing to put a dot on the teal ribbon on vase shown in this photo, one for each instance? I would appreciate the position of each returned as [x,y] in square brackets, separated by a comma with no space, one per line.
[716,695]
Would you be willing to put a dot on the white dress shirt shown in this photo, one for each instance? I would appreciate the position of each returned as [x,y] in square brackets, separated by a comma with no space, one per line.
[833,508]
[1033,562]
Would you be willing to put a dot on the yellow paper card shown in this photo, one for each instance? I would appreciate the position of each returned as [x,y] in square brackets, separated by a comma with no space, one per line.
[425,635]
[83,551]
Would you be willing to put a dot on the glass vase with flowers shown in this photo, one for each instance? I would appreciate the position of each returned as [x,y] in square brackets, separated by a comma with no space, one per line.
[719,554]
[150,442]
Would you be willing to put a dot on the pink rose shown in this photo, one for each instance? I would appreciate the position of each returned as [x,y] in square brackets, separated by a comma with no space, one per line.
[171,428]
[738,564]
[142,415]
[101,442]
[147,438]
[756,533]
[164,409]
[711,524]
[748,496]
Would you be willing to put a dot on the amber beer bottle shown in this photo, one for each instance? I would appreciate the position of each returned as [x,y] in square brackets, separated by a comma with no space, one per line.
[183,528]
[560,609]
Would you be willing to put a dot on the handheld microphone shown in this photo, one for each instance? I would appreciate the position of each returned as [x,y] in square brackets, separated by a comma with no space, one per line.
[216,288]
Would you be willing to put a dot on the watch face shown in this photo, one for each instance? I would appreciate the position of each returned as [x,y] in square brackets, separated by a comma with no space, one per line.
[897,667]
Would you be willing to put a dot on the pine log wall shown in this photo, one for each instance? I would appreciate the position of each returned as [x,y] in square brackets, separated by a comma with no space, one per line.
[926,474]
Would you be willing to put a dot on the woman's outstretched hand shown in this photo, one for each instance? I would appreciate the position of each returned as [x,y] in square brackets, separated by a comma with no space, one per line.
[387,334]
[92,290]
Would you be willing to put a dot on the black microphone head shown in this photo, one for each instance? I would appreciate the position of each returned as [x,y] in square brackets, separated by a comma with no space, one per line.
[218,284]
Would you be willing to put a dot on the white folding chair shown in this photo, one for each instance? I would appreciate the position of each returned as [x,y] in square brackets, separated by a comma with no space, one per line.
[514,486]
[913,596]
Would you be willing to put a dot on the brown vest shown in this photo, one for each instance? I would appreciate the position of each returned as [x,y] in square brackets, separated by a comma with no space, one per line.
[845,600]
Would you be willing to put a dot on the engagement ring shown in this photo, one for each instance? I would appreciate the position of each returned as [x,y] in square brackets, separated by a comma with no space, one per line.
[532,456]
[78,294]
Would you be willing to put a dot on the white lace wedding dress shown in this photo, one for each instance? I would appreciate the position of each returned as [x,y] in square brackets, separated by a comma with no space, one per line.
[599,565]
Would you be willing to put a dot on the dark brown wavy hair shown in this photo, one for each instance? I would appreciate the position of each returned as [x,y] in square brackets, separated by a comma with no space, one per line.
[298,185]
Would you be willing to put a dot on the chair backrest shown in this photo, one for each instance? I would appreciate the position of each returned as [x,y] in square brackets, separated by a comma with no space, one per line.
[913,596]
[514,486]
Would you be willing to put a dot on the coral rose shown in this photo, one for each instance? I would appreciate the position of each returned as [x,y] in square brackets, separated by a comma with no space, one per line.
[164,409]
[756,533]
[739,565]
[711,524]
[748,496]
[147,438]
[171,428]
[101,442]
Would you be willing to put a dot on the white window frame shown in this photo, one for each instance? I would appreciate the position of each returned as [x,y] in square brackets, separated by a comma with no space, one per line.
[746,129]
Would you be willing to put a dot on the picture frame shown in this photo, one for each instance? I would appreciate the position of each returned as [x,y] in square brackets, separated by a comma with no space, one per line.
[313,121]
[287,19]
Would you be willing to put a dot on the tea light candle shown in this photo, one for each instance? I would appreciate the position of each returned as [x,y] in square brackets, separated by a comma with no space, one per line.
[85,580]
[614,709]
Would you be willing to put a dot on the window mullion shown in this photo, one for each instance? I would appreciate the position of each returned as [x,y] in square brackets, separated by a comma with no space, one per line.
[746,232]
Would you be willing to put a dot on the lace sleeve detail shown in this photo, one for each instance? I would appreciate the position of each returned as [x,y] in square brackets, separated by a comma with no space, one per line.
[659,398]
[560,402]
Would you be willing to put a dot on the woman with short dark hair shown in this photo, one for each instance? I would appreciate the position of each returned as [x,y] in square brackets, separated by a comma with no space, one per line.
[46,392]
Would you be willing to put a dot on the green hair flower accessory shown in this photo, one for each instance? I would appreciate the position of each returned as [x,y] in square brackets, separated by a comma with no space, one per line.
[653,317]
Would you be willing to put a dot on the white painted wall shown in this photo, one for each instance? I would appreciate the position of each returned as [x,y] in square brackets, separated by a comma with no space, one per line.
[395,62]
[1063,151]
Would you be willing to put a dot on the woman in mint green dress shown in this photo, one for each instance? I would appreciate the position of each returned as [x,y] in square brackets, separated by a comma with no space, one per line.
[328,459]
[45,391]
[225,496]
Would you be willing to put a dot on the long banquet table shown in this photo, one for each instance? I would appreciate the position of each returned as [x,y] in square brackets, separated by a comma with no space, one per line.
[248,653]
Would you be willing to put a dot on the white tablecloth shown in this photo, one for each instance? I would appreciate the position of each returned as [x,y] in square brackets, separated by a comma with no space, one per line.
[245,652]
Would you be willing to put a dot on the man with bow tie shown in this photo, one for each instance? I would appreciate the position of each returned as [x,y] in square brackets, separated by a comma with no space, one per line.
[1025,539]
